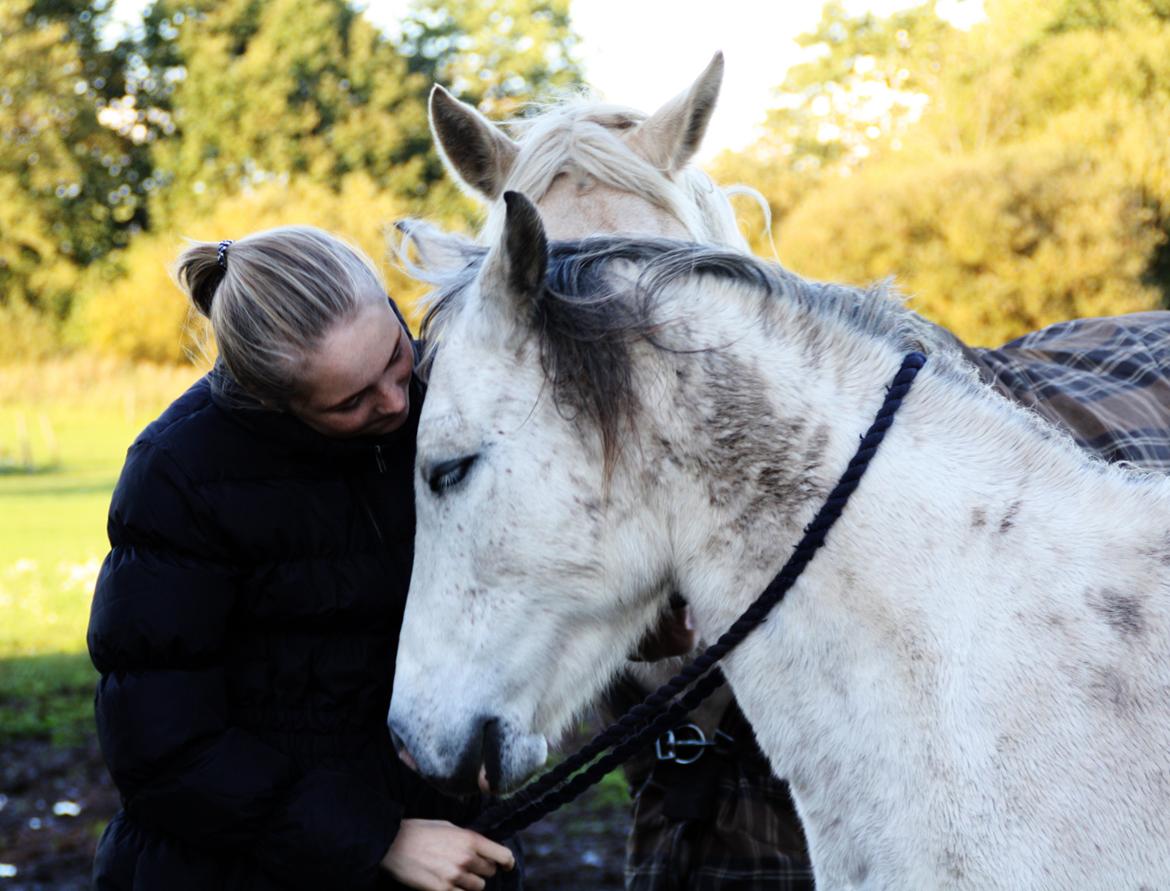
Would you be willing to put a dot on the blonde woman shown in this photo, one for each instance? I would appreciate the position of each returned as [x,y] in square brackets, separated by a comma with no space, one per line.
[245,622]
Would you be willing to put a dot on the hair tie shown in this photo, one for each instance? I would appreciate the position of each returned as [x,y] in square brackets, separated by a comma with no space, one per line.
[221,254]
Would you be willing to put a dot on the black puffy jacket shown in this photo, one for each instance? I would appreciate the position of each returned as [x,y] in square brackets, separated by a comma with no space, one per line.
[245,625]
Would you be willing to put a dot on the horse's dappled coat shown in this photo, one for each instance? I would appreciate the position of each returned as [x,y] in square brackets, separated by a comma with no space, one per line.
[948,687]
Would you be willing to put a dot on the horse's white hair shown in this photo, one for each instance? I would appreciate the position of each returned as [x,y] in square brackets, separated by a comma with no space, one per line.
[580,132]
[595,168]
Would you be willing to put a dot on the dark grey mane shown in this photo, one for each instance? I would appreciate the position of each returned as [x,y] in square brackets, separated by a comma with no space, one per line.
[585,329]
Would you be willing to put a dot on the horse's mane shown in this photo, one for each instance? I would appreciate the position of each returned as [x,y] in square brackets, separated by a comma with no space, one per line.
[586,134]
[586,324]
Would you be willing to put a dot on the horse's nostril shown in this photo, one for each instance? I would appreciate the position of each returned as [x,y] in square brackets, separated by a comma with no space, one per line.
[493,745]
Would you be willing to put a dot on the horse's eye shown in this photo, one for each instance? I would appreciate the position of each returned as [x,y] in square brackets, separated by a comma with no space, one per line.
[448,474]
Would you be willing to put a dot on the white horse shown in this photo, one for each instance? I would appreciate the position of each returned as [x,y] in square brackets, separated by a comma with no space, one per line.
[594,168]
[967,688]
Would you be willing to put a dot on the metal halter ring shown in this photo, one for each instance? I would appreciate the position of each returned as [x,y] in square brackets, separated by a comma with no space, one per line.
[684,744]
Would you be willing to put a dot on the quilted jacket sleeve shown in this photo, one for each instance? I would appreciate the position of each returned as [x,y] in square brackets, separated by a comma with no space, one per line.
[160,615]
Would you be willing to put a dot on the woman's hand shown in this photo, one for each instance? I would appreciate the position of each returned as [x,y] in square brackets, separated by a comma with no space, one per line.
[434,855]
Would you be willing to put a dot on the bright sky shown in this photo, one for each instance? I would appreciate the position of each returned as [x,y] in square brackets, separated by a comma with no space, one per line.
[641,53]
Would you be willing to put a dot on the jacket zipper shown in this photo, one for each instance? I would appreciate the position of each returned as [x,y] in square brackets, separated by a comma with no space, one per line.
[373,520]
[356,488]
[379,460]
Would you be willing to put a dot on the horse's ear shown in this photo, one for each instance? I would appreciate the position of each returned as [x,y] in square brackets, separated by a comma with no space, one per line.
[474,149]
[669,138]
[518,263]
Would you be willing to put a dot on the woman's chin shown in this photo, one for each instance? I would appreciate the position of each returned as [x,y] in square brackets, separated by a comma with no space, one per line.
[386,425]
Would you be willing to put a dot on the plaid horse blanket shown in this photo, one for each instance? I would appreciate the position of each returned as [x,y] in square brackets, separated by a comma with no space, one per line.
[721,820]
[1106,381]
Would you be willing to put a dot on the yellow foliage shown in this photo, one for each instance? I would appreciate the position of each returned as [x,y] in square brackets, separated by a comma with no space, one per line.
[25,333]
[86,382]
[990,245]
[139,312]
[782,188]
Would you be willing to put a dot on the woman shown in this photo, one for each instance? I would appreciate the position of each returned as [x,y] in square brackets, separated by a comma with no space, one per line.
[245,622]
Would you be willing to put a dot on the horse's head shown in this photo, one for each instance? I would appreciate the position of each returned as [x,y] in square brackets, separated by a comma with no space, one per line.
[539,560]
[595,168]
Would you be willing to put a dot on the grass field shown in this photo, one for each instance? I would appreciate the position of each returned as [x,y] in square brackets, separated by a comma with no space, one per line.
[64,429]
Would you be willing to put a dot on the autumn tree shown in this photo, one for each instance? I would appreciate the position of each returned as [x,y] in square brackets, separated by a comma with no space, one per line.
[869,79]
[277,91]
[494,55]
[70,187]
[1029,184]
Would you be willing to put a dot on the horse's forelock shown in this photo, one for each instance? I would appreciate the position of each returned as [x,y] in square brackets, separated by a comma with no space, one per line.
[587,136]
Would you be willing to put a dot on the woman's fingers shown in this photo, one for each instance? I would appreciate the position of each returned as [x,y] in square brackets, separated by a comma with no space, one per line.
[497,853]
[481,866]
[434,855]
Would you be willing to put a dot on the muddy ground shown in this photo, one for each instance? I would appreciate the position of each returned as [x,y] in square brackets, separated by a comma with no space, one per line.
[54,803]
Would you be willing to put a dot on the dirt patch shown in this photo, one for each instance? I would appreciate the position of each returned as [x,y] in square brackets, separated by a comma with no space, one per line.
[581,846]
[55,802]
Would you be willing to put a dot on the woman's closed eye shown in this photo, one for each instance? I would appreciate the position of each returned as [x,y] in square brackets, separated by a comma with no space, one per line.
[446,475]
[349,404]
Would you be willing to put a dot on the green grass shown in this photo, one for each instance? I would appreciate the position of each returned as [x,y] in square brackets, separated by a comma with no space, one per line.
[47,698]
[64,430]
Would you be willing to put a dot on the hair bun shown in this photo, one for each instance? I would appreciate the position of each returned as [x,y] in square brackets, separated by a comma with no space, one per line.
[199,272]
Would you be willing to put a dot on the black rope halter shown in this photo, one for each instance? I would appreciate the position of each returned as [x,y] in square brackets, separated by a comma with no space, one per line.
[665,706]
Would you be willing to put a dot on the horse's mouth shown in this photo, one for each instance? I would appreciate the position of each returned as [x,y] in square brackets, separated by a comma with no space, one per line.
[492,769]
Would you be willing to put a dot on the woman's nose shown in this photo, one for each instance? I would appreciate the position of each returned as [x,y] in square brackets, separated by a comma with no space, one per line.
[392,397]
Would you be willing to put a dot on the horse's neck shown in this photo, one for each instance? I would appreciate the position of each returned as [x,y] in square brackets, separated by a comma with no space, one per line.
[748,442]
[972,524]
[761,431]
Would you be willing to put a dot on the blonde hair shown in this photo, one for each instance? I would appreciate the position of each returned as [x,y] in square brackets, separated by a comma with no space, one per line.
[276,294]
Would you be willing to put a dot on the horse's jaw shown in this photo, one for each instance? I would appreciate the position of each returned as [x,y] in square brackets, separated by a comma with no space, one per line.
[504,715]
[458,724]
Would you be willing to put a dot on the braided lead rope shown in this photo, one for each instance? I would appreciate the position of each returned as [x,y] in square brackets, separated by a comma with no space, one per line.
[638,726]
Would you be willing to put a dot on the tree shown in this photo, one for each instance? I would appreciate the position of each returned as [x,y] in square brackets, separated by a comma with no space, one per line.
[1029,186]
[1082,73]
[494,55]
[70,187]
[869,79]
[990,245]
[283,89]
